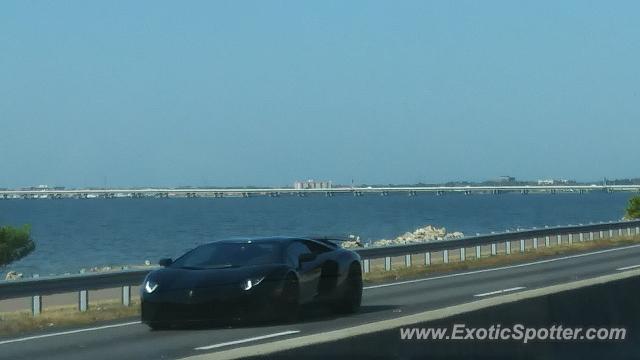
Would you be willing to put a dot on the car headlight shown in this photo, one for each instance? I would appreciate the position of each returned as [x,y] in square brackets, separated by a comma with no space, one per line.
[150,286]
[250,283]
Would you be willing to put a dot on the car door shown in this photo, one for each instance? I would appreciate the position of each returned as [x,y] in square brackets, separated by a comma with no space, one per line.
[308,271]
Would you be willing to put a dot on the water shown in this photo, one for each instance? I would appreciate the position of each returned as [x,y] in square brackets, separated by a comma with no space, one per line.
[72,234]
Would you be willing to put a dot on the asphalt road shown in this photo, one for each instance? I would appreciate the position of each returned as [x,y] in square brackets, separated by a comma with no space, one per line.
[131,340]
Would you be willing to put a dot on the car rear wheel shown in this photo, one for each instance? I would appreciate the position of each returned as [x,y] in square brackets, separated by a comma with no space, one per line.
[288,307]
[352,295]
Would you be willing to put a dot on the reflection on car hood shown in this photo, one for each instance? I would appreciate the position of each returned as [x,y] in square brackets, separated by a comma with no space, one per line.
[179,278]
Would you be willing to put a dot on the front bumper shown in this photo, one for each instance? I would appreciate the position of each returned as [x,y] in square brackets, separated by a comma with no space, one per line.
[221,303]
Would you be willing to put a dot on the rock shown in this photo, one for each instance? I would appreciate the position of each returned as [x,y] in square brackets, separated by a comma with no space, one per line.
[420,235]
[12,275]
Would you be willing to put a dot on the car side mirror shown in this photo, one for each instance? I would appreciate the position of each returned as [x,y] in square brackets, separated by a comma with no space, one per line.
[165,262]
[306,257]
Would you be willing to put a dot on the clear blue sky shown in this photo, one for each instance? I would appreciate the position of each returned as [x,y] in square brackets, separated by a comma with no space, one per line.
[267,92]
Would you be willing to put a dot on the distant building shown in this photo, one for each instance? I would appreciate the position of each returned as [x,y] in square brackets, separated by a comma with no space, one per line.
[312,184]
[554,182]
[505,178]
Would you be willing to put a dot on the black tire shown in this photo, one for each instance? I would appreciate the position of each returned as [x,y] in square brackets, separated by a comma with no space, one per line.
[352,295]
[288,308]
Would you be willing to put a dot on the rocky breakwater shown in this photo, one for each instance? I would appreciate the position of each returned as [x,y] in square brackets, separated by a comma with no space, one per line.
[418,236]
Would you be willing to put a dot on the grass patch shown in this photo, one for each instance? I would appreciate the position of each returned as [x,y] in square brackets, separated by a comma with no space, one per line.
[65,316]
[378,275]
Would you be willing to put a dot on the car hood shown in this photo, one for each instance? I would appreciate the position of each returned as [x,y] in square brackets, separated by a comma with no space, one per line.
[177,278]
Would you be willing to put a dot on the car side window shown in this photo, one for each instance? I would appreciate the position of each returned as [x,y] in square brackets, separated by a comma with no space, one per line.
[294,251]
[316,247]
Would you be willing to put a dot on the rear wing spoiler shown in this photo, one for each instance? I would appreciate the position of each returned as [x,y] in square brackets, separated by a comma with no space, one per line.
[329,239]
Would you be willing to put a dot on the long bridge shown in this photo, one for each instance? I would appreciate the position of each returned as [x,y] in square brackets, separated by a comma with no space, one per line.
[49,193]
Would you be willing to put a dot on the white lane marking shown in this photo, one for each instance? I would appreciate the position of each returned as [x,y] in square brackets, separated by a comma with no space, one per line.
[501,268]
[500,291]
[67,332]
[628,267]
[242,341]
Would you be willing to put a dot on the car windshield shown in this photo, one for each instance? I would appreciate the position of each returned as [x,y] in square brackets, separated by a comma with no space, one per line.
[230,254]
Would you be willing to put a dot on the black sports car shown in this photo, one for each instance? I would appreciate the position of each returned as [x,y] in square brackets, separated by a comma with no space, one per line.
[250,278]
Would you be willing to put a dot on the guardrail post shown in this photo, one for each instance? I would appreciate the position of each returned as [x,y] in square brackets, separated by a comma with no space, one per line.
[507,247]
[478,248]
[36,305]
[83,300]
[463,253]
[494,249]
[570,239]
[366,265]
[427,258]
[445,256]
[407,260]
[546,241]
[535,242]
[126,295]
[521,245]
[559,240]
[387,263]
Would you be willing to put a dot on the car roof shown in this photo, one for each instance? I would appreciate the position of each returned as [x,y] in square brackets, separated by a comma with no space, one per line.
[282,239]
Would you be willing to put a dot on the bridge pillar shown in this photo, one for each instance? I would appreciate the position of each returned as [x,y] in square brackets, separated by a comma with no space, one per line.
[366,264]
[619,232]
[535,242]
[83,300]
[546,241]
[507,247]
[629,231]
[427,258]
[521,245]
[387,263]
[36,305]
[463,254]
[637,230]
[559,240]
[478,252]
[445,256]
[494,249]
[570,239]
[581,237]
[590,235]
[407,260]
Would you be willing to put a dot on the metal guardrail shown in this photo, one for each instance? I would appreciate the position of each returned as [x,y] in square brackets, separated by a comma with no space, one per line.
[82,283]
